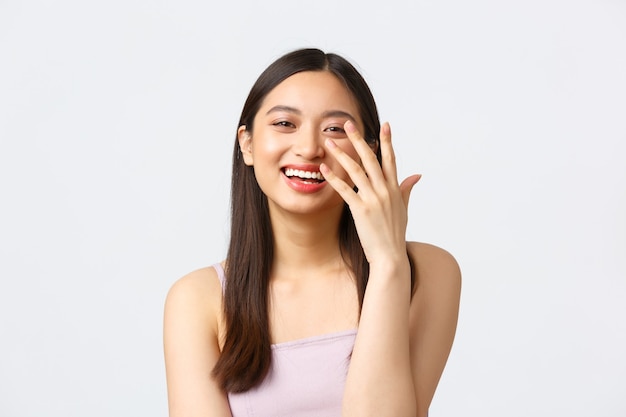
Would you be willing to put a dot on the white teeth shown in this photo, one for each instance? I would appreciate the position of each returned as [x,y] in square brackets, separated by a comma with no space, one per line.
[303,174]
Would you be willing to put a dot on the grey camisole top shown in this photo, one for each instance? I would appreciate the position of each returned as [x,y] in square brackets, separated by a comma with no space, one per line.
[306,377]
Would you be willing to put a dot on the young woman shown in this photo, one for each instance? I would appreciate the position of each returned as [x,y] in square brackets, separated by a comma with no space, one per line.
[321,307]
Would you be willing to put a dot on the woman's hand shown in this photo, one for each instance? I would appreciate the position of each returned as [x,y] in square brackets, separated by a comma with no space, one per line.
[379,208]
[403,340]
[380,378]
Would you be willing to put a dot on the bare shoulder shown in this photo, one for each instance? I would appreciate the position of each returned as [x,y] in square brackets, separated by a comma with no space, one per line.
[433,316]
[191,345]
[203,280]
[436,268]
[197,294]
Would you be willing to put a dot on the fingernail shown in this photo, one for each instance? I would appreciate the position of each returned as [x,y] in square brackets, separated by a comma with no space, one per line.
[349,126]
[330,143]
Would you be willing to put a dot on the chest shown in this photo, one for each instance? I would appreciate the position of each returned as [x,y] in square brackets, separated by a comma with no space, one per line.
[299,311]
[306,379]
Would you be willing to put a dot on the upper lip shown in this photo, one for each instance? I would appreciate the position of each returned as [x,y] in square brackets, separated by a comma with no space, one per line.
[303,167]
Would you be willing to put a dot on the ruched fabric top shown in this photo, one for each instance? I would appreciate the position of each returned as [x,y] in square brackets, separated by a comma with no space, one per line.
[306,377]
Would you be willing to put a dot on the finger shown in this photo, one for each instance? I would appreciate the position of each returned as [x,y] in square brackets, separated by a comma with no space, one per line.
[352,168]
[388,155]
[365,152]
[407,186]
[344,190]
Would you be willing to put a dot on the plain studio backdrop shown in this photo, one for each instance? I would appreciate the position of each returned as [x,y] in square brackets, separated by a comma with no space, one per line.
[117,121]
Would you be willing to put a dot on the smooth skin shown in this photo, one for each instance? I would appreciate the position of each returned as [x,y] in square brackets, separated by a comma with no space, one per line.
[403,339]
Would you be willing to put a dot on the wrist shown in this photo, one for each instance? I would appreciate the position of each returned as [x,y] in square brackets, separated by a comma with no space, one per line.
[391,267]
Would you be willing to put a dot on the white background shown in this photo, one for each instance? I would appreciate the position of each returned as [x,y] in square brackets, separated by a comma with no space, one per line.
[117,121]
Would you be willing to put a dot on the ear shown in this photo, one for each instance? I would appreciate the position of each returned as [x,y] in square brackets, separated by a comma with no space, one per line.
[245,144]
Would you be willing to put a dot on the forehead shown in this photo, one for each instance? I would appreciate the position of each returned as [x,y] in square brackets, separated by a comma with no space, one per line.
[312,91]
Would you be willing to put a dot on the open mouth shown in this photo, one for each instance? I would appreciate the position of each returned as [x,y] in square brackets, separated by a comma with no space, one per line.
[307,177]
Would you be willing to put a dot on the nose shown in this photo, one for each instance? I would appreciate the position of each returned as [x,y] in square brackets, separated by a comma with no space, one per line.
[308,144]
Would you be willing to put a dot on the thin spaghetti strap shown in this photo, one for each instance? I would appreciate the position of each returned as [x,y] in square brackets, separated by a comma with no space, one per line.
[220,274]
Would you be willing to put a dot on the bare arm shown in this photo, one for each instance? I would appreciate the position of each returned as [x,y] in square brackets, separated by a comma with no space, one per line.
[402,347]
[191,346]
[380,381]
[432,318]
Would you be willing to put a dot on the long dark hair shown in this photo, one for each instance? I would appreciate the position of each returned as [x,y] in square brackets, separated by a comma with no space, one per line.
[246,355]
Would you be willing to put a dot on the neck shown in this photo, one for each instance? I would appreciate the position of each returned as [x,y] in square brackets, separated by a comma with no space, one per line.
[305,242]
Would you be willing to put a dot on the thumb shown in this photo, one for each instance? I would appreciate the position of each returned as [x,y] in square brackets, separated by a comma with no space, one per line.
[407,186]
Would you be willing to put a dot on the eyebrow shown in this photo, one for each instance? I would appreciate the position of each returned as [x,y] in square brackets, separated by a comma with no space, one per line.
[339,113]
[329,113]
[287,109]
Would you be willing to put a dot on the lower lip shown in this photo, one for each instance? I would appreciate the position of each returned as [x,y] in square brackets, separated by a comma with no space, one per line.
[303,187]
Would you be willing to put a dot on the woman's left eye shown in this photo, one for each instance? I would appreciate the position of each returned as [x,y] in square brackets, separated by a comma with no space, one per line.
[335,129]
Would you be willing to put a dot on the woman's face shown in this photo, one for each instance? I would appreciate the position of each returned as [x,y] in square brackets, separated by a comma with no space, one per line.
[286,146]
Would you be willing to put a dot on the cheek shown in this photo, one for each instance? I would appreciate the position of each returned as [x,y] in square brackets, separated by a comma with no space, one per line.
[350,151]
[265,149]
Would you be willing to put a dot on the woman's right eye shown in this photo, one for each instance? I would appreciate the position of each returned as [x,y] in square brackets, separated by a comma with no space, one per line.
[284,123]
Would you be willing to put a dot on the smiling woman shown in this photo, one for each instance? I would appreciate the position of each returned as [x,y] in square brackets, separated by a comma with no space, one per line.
[321,307]
[290,128]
